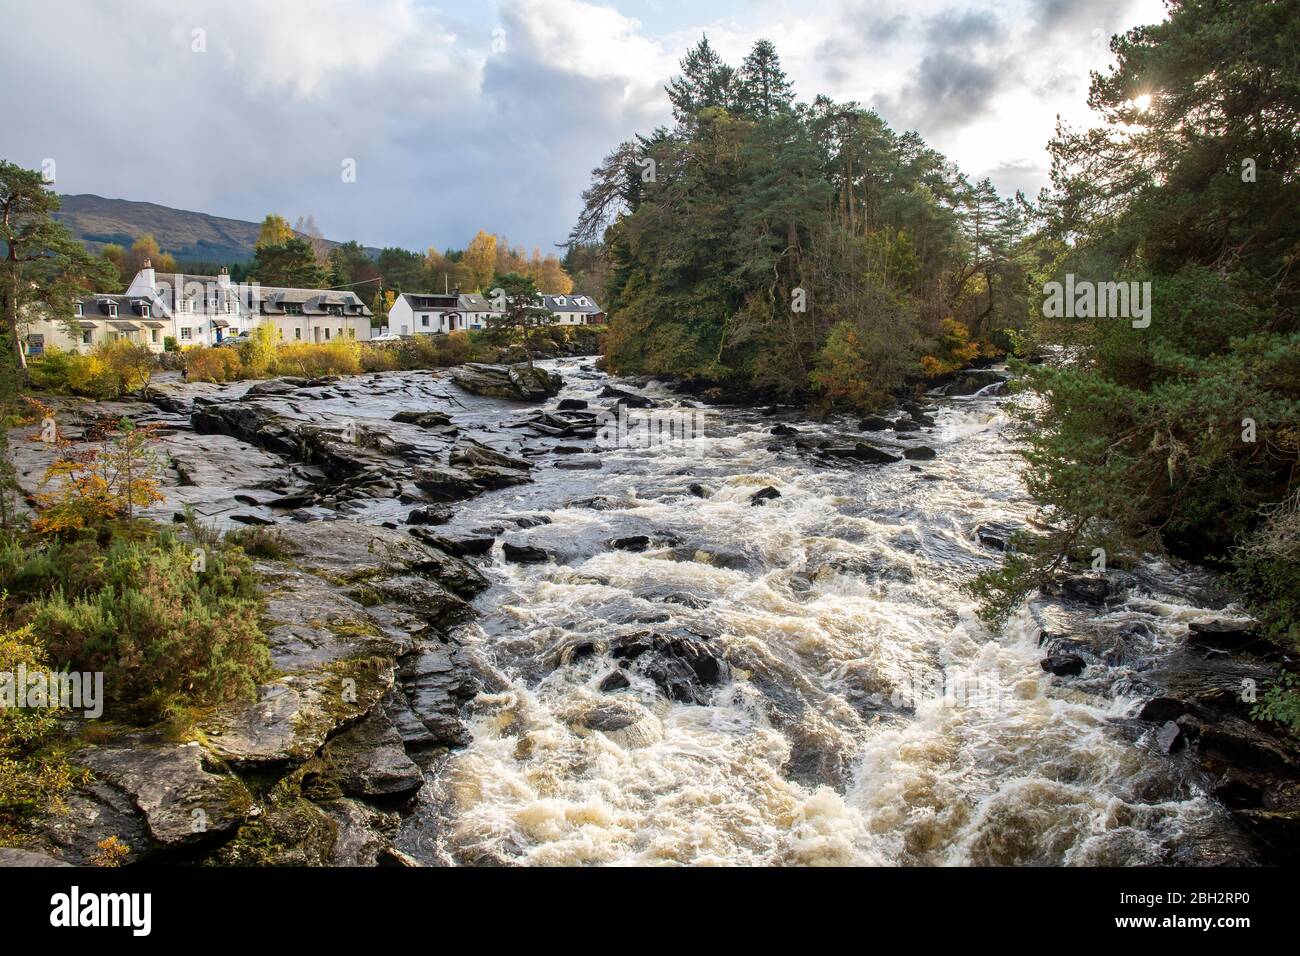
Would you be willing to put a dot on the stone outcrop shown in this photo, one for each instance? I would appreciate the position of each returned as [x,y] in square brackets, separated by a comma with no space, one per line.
[523,383]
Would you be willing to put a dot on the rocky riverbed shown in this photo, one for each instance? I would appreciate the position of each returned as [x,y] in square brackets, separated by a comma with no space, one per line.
[501,637]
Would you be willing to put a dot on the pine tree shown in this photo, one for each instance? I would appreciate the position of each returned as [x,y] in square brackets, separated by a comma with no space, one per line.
[705,81]
[762,87]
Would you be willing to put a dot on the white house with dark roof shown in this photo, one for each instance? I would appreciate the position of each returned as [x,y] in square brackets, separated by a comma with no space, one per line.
[417,313]
[205,310]
[95,320]
[574,309]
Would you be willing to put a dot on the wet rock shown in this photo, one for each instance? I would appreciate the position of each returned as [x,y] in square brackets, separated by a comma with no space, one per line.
[630,399]
[1169,737]
[1063,665]
[862,452]
[1235,743]
[446,484]
[1225,635]
[182,801]
[584,463]
[572,404]
[515,382]
[532,521]
[569,450]
[476,455]
[429,516]
[764,495]
[459,546]
[905,425]
[595,503]
[614,680]
[437,683]
[275,386]
[1279,829]
[784,430]
[525,554]
[921,419]
[251,519]
[874,423]
[292,717]
[1161,709]
[995,535]
[636,542]
[1089,589]
[353,552]
[698,490]
[423,419]
[369,760]
[681,666]
[919,453]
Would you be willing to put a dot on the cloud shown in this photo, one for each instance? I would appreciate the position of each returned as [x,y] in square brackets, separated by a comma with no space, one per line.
[461,117]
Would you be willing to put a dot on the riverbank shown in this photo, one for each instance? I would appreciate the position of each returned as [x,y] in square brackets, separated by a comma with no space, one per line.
[497,640]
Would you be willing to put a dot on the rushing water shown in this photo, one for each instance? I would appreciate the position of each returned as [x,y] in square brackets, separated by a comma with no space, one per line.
[868,716]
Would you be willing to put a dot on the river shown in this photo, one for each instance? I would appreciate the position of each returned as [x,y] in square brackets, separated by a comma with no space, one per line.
[865,716]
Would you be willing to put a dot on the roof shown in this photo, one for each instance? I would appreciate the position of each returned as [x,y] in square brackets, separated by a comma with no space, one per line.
[571,303]
[313,301]
[97,305]
[473,302]
[430,300]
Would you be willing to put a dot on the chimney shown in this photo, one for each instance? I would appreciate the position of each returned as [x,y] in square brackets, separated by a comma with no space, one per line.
[223,278]
[146,273]
[456,292]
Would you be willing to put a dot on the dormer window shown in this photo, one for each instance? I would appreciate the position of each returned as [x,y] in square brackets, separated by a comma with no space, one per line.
[79,309]
[144,310]
[112,308]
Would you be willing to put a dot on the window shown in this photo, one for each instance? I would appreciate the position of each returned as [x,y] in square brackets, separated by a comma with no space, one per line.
[230,308]
[112,308]
[144,310]
[189,305]
[424,320]
[187,333]
[79,311]
[352,333]
[297,333]
[87,337]
[153,335]
[327,334]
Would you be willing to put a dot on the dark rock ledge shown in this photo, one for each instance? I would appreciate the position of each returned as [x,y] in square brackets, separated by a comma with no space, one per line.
[321,767]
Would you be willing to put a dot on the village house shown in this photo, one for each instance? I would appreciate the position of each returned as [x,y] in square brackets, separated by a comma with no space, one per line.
[420,313]
[574,309]
[202,309]
[428,313]
[97,319]
[206,310]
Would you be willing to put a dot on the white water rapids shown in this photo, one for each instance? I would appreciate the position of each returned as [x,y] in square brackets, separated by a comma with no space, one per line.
[838,606]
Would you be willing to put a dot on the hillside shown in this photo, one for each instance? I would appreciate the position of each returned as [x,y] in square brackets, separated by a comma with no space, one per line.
[189,236]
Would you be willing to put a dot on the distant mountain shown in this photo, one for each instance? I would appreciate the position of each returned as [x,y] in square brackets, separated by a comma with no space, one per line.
[188,236]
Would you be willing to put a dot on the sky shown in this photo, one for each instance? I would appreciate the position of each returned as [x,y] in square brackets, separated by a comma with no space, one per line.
[410,123]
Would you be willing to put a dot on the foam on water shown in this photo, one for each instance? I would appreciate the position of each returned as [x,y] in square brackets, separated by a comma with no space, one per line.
[833,604]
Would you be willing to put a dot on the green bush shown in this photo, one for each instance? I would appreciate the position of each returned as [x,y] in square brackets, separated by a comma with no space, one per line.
[165,629]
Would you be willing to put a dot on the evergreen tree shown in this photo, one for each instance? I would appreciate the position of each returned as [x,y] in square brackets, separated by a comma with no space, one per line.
[762,86]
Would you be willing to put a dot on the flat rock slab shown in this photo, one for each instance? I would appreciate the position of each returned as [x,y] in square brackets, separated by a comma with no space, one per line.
[293,717]
[183,802]
[345,551]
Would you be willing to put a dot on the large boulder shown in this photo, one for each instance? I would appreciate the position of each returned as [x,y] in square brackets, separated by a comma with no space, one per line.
[521,382]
